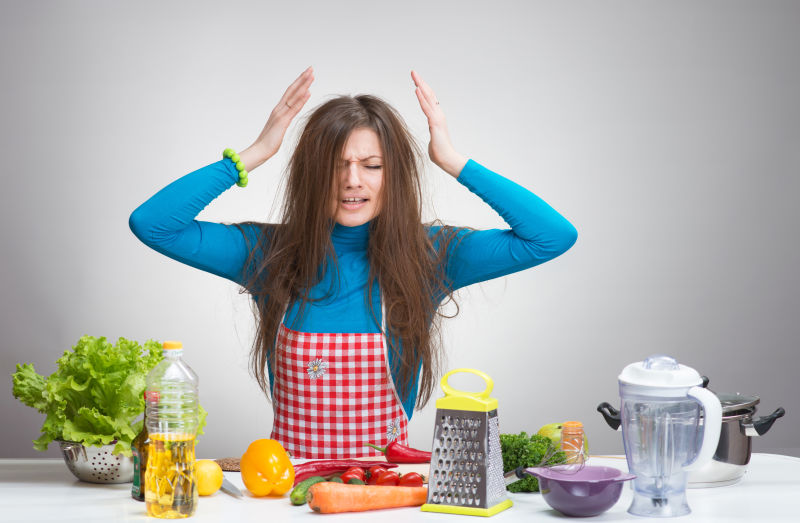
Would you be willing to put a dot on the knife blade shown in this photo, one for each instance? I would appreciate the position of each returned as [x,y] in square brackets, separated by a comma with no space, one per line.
[230,488]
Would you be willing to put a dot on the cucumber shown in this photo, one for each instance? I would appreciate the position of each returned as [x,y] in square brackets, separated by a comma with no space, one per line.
[355,481]
[298,495]
[336,479]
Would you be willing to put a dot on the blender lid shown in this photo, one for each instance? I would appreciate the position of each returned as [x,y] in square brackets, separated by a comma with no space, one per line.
[735,401]
[662,371]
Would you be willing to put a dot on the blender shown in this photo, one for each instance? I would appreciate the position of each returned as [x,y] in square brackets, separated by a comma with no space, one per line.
[664,434]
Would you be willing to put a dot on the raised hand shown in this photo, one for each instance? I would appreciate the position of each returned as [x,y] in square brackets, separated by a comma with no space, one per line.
[271,137]
[440,148]
[289,105]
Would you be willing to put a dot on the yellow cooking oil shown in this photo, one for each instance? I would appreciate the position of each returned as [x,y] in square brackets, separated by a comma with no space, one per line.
[170,486]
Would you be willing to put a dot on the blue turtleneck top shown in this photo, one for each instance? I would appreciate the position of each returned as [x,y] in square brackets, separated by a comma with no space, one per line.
[166,222]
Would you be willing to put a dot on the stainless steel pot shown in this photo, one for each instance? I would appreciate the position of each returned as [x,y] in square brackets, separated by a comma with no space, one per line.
[735,440]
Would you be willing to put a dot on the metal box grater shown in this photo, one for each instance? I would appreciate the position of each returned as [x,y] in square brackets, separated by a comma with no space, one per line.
[466,475]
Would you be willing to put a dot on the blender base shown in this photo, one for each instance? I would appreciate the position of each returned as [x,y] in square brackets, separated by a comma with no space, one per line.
[666,507]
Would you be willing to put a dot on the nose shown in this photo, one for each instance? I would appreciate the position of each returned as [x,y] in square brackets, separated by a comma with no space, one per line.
[351,175]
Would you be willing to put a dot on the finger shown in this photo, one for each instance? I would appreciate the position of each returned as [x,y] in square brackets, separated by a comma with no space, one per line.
[415,77]
[298,104]
[426,89]
[423,103]
[305,78]
[301,93]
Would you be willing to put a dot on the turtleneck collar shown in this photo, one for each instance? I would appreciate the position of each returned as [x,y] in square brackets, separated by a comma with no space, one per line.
[348,239]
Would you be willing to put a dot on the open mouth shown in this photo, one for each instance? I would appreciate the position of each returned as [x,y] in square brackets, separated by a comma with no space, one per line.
[353,203]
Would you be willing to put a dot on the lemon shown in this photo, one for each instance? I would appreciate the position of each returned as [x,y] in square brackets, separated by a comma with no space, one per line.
[209,476]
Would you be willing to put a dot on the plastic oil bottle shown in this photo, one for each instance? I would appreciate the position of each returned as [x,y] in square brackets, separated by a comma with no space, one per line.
[171,415]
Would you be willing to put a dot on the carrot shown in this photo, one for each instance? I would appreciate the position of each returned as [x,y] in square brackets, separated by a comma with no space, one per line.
[329,498]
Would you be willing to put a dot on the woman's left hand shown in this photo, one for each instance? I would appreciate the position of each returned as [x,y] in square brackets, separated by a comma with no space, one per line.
[440,148]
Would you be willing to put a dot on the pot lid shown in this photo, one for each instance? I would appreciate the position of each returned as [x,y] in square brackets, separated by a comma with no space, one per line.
[735,401]
[660,371]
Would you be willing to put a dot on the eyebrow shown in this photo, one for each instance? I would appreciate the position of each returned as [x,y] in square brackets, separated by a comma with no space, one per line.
[369,158]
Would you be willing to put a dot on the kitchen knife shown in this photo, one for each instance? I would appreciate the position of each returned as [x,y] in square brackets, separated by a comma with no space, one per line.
[230,488]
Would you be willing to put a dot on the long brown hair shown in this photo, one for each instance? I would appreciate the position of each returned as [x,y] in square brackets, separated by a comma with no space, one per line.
[408,264]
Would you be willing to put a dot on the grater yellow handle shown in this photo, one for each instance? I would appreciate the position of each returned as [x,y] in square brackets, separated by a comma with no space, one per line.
[483,395]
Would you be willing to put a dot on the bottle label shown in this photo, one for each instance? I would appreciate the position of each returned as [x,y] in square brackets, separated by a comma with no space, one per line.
[136,489]
[151,395]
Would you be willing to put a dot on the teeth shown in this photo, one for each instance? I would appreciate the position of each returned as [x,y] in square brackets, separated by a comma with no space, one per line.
[353,200]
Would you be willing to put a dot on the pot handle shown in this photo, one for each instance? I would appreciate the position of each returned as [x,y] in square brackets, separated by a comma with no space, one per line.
[764,423]
[712,424]
[610,414]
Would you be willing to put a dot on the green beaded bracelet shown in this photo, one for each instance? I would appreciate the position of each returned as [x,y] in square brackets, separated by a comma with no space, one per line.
[231,154]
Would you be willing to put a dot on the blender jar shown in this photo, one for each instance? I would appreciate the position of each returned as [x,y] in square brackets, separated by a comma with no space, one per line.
[662,434]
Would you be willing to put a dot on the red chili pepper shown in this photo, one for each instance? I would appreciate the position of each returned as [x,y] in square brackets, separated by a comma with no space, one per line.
[331,466]
[388,479]
[397,453]
[411,479]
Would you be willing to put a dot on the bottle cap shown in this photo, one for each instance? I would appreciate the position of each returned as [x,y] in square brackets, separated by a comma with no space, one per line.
[168,345]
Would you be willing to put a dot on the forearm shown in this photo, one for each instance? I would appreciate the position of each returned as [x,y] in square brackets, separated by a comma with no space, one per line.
[453,164]
[254,156]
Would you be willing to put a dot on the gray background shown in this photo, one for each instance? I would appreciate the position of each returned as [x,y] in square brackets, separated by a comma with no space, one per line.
[667,132]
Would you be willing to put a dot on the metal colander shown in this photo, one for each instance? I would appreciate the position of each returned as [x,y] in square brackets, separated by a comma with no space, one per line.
[96,464]
[466,462]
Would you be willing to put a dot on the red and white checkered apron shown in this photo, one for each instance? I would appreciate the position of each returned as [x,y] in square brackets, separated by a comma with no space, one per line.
[333,392]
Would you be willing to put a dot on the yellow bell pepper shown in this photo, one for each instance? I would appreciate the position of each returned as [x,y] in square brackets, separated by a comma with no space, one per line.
[266,468]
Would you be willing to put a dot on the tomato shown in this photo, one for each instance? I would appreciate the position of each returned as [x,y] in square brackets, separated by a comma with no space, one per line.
[353,473]
[388,478]
[358,471]
[410,479]
[374,472]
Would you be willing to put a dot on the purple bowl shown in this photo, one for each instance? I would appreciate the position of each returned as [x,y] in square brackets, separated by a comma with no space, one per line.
[581,492]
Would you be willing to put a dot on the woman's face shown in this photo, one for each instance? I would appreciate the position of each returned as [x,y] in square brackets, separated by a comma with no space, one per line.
[359,179]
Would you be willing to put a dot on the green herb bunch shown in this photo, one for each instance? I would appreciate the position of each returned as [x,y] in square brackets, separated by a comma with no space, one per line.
[95,395]
[521,450]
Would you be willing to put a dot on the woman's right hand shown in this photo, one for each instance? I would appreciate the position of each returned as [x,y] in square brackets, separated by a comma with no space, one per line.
[271,137]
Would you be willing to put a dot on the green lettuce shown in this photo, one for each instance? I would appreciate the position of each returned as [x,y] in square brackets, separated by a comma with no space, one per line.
[95,396]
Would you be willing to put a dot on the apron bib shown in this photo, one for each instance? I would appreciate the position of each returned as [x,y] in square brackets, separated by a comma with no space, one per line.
[333,392]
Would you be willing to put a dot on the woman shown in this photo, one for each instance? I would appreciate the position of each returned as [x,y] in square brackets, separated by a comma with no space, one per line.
[347,287]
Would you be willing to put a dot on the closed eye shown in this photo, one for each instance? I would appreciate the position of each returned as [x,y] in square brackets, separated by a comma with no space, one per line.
[374,166]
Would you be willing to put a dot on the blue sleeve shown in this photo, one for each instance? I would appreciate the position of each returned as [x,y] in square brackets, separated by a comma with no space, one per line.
[538,233]
[166,222]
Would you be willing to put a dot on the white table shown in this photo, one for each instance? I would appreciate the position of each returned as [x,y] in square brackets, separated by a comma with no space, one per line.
[44,490]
